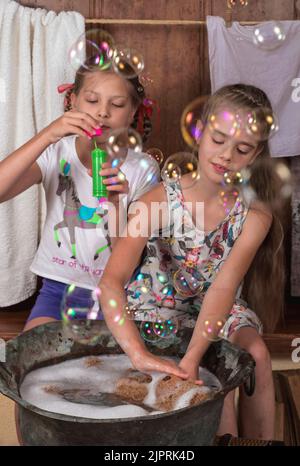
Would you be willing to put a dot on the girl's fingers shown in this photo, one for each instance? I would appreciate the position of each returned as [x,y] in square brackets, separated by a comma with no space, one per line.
[178,372]
[109,171]
[106,165]
[172,368]
[198,382]
[118,188]
[83,116]
[75,130]
[120,179]
[83,123]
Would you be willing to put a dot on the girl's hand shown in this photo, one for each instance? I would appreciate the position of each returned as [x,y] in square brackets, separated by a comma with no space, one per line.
[148,362]
[71,122]
[191,368]
[116,184]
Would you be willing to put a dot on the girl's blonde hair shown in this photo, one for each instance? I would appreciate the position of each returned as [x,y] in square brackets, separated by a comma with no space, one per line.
[263,287]
[136,90]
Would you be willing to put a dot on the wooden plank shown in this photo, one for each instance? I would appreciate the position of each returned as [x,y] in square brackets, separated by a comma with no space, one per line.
[279,421]
[290,385]
[280,344]
[172,58]
[12,323]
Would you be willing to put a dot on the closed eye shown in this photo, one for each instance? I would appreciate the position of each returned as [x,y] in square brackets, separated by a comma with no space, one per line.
[243,152]
[217,142]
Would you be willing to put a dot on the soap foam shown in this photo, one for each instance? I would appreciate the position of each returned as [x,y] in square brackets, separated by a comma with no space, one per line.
[98,374]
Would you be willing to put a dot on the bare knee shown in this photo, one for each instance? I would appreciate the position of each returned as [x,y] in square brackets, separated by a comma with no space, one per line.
[252,342]
[37,321]
[260,354]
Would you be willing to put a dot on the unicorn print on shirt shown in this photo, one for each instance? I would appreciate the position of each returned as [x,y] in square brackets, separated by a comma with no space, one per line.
[75,214]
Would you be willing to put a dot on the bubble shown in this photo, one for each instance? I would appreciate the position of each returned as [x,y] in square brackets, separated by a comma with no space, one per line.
[147,332]
[166,328]
[269,35]
[154,332]
[212,330]
[145,79]
[119,141]
[178,165]
[232,183]
[127,62]
[261,123]
[156,154]
[93,48]
[233,178]
[232,3]
[225,120]
[185,284]
[191,122]
[79,307]
[131,311]
[285,176]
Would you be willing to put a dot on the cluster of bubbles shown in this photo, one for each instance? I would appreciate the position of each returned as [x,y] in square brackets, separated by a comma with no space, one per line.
[152,330]
[231,185]
[181,166]
[259,122]
[97,47]
[79,309]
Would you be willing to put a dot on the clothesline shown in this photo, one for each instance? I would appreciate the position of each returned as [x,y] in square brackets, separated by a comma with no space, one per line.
[158,22]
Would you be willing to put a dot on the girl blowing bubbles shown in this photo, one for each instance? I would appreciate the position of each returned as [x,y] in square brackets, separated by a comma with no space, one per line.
[76,240]
[227,251]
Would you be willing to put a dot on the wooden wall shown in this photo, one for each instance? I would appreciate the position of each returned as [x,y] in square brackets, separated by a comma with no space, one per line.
[176,56]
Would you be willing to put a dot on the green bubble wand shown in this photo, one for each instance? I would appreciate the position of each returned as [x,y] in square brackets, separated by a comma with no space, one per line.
[99,157]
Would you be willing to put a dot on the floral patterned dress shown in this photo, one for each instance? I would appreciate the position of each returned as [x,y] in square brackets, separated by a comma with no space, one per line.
[180,263]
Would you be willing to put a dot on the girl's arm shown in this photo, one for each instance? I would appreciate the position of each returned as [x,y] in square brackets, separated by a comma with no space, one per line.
[119,269]
[220,297]
[19,170]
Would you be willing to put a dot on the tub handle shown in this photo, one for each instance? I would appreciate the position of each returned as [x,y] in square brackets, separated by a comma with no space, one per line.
[249,385]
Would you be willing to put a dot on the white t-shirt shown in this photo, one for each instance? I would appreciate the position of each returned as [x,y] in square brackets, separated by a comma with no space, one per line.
[234,58]
[75,216]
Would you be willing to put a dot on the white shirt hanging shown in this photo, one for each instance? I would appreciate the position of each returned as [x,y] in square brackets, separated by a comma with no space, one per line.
[234,58]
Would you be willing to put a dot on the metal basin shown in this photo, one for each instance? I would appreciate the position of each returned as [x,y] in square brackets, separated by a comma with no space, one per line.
[49,344]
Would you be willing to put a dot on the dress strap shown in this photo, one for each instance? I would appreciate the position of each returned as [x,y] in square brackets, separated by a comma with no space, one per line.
[175,204]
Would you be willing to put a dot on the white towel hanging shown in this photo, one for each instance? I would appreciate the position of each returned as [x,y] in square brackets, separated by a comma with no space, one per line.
[33,61]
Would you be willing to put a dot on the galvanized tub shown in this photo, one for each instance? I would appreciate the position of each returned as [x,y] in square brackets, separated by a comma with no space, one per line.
[50,344]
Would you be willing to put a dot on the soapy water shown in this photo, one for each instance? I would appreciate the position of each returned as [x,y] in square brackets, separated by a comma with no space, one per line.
[47,388]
